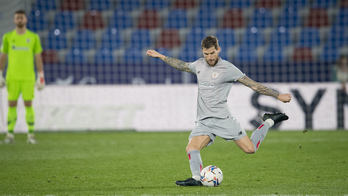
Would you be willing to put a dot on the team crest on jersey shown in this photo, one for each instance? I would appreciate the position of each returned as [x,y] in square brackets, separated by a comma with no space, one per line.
[215,75]
[28,40]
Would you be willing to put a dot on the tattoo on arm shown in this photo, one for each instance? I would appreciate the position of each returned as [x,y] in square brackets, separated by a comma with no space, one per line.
[258,87]
[177,64]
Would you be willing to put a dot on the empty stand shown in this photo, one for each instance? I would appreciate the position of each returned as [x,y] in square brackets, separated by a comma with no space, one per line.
[261,18]
[50,57]
[104,55]
[37,21]
[226,38]
[141,39]
[121,20]
[185,4]
[56,39]
[149,19]
[93,20]
[268,4]
[72,5]
[233,18]
[100,5]
[169,38]
[84,40]
[177,18]
[206,18]
[75,56]
[302,54]
[317,17]
[64,21]
[112,39]
[289,18]
[309,37]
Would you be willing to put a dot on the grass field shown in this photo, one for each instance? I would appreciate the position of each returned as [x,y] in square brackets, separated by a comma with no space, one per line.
[132,163]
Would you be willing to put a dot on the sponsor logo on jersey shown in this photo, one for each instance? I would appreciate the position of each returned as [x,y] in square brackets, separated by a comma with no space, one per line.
[215,75]
[206,84]
[20,48]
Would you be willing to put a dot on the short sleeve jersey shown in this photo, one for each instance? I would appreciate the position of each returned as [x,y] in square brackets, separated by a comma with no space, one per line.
[21,50]
[214,85]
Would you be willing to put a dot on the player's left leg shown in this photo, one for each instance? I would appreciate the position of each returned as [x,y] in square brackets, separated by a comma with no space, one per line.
[251,145]
[28,95]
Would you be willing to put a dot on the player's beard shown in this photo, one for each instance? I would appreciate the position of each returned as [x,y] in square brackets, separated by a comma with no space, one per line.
[212,61]
[20,25]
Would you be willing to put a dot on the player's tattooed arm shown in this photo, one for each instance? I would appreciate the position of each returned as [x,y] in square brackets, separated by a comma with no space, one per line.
[258,87]
[177,64]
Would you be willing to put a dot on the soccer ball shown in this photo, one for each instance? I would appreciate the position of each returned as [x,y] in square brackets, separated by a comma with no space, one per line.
[211,176]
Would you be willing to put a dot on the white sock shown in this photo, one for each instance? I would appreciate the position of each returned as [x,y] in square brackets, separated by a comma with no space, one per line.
[270,122]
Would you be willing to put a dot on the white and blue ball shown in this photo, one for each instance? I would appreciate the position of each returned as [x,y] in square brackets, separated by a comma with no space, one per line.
[211,176]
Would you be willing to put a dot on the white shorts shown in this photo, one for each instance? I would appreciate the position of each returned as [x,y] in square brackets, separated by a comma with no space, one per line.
[227,128]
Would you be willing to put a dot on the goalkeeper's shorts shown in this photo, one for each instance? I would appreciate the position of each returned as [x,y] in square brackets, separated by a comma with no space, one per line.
[15,88]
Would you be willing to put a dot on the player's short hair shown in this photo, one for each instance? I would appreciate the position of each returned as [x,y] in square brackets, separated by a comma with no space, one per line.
[20,12]
[209,42]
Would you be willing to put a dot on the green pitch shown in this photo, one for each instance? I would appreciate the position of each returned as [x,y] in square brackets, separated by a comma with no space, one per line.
[131,163]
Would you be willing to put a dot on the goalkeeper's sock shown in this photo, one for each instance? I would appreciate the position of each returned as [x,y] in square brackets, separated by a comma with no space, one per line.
[30,118]
[11,119]
[195,163]
[260,133]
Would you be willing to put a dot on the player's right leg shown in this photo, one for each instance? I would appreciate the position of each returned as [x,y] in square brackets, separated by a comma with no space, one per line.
[28,89]
[13,89]
[193,148]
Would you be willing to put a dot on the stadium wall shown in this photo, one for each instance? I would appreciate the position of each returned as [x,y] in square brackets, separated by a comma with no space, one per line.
[317,106]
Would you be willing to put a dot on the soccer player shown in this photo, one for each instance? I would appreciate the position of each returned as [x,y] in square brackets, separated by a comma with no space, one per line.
[21,46]
[215,77]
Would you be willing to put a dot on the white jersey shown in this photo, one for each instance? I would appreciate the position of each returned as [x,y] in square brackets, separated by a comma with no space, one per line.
[214,85]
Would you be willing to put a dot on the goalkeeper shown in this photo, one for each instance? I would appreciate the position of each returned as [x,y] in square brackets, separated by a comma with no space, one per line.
[21,46]
[215,77]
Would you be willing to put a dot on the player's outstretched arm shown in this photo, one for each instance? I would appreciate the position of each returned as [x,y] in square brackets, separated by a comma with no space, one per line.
[176,63]
[264,90]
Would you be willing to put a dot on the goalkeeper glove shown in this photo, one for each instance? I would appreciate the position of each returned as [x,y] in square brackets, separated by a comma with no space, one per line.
[2,80]
[40,82]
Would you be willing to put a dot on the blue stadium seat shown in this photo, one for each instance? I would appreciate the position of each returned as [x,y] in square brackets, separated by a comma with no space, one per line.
[261,18]
[226,38]
[297,3]
[37,21]
[241,4]
[337,37]
[204,20]
[100,5]
[133,55]
[190,53]
[177,18]
[253,37]
[121,20]
[273,54]
[56,40]
[289,17]
[157,5]
[309,37]
[104,55]
[324,3]
[128,5]
[112,39]
[213,4]
[341,18]
[44,5]
[141,39]
[329,54]
[75,56]
[224,54]
[245,54]
[84,40]
[64,21]
[281,37]
[194,38]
